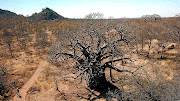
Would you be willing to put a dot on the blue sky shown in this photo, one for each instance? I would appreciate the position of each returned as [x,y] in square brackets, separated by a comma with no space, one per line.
[80,8]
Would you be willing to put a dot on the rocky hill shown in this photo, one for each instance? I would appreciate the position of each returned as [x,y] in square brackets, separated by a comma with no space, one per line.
[46,14]
[8,14]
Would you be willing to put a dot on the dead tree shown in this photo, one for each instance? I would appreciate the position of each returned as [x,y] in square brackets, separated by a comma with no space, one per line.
[150,36]
[93,56]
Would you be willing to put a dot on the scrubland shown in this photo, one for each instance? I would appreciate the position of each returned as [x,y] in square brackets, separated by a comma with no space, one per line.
[154,53]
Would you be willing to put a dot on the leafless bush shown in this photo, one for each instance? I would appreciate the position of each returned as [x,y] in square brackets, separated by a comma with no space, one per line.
[5,86]
[7,37]
[41,39]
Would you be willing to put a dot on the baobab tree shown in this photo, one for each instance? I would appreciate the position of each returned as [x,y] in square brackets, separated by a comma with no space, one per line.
[94,56]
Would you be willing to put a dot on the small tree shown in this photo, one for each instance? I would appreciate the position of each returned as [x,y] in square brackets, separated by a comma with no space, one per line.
[41,39]
[151,17]
[94,16]
[8,38]
[167,32]
[156,17]
[150,32]
[177,15]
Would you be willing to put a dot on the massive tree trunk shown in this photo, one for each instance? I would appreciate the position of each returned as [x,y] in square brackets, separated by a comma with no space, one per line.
[97,81]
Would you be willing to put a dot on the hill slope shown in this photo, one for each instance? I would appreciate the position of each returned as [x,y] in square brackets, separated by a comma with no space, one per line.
[8,14]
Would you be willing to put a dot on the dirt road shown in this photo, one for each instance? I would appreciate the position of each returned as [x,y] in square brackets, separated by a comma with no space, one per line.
[23,90]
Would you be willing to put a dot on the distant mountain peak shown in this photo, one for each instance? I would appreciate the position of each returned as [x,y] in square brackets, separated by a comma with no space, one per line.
[47,9]
[46,14]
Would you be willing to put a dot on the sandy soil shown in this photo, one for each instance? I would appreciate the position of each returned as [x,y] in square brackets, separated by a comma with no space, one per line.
[28,84]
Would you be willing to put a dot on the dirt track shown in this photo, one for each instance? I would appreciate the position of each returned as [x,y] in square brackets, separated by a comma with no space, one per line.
[23,90]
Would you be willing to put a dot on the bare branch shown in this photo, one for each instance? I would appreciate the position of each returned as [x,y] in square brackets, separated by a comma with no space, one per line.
[118,70]
[56,84]
[98,42]
[138,68]
[118,60]
[4,72]
[18,94]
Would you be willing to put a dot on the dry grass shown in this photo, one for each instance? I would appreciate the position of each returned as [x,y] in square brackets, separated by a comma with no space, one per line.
[160,72]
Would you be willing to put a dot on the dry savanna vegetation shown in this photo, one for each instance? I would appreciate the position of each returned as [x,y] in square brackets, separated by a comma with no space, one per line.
[90,59]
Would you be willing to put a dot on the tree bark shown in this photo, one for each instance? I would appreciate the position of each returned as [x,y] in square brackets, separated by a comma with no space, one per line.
[97,81]
[149,44]
[9,46]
